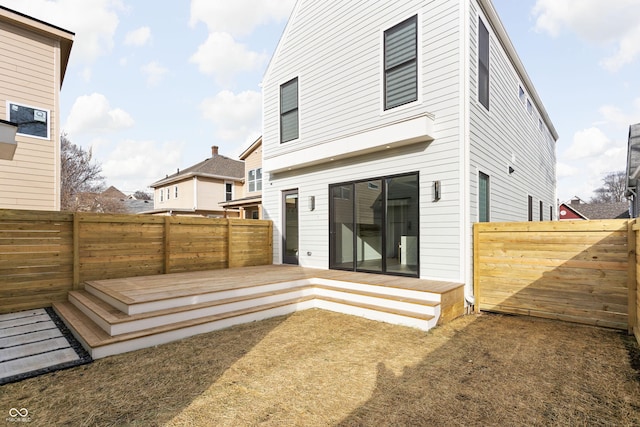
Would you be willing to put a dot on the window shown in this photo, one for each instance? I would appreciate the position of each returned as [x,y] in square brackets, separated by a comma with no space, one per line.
[401,63]
[176,192]
[530,208]
[31,121]
[161,195]
[289,121]
[483,197]
[529,106]
[550,213]
[541,213]
[483,64]
[228,191]
[255,179]
[521,94]
[168,193]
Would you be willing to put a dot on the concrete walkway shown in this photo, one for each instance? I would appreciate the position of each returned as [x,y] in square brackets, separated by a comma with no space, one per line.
[35,342]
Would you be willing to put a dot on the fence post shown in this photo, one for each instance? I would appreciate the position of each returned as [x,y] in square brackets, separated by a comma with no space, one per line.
[167,244]
[76,252]
[229,243]
[632,280]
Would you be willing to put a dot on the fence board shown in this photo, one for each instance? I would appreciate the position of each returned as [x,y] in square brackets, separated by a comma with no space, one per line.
[567,270]
[44,254]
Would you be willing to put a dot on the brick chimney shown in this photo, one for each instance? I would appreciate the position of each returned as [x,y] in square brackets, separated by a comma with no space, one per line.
[214,150]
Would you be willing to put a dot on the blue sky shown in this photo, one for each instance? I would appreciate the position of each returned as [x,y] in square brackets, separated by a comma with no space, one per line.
[151,86]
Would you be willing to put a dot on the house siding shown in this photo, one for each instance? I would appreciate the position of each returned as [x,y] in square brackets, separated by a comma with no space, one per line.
[29,75]
[507,135]
[252,161]
[341,95]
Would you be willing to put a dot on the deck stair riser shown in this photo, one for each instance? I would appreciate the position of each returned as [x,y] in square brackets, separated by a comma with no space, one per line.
[383,290]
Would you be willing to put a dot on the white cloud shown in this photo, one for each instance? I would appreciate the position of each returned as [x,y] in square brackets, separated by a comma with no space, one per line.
[616,22]
[613,115]
[154,72]
[93,22]
[237,116]
[223,57]
[588,143]
[93,114]
[138,37]
[133,165]
[238,17]
[564,170]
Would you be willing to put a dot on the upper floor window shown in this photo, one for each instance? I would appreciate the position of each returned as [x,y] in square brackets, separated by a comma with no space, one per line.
[521,94]
[228,191]
[401,63]
[176,192]
[255,180]
[483,64]
[529,106]
[161,195]
[168,193]
[31,121]
[530,208]
[289,120]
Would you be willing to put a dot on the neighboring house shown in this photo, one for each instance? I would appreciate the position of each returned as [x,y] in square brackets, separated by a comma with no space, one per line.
[34,57]
[633,169]
[199,189]
[249,202]
[391,127]
[578,209]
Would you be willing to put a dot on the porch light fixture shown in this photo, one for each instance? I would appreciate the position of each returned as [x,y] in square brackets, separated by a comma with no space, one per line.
[436,191]
[312,203]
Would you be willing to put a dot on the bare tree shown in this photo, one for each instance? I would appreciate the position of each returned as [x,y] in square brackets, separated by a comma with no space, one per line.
[79,175]
[612,189]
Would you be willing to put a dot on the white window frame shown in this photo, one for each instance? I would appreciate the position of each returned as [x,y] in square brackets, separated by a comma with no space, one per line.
[20,104]
[299,78]
[232,190]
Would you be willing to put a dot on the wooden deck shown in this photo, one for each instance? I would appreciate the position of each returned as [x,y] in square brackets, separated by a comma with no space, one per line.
[118,315]
[135,290]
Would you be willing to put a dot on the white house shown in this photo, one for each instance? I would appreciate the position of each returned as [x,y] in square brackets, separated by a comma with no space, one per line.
[389,128]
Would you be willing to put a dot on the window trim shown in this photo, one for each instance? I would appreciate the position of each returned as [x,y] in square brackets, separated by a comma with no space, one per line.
[488,197]
[20,104]
[383,71]
[257,182]
[296,109]
[227,193]
[530,208]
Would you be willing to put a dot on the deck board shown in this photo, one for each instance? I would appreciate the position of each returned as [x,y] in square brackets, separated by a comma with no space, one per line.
[142,289]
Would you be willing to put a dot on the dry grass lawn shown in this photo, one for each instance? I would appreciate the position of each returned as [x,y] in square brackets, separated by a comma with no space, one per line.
[321,368]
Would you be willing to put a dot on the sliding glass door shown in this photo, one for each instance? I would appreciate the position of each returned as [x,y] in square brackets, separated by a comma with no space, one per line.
[373,225]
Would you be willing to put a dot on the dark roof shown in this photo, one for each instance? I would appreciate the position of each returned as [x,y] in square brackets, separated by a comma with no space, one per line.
[138,206]
[216,166]
[618,210]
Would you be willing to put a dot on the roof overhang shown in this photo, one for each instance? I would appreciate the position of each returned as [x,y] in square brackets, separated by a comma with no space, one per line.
[189,175]
[8,143]
[246,201]
[409,131]
[64,37]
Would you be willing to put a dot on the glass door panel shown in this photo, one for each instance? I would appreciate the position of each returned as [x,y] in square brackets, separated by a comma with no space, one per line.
[369,225]
[402,225]
[290,225]
[341,229]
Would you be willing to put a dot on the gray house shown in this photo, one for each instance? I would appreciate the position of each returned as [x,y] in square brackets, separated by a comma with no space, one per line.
[389,128]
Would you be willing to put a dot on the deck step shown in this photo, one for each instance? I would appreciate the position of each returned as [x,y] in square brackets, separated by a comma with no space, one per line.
[100,344]
[115,322]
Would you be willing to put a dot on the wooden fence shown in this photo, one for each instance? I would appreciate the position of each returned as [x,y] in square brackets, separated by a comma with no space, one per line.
[43,255]
[578,271]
